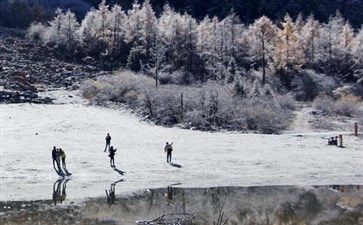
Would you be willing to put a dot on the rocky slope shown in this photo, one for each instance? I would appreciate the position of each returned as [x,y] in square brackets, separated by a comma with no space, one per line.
[28,68]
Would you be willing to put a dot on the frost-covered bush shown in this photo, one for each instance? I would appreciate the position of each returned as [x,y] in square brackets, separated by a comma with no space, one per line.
[264,116]
[36,31]
[285,101]
[211,106]
[346,106]
[308,84]
[324,104]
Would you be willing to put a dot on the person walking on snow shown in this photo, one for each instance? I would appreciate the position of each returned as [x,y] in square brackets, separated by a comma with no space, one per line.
[54,157]
[108,142]
[112,156]
[63,156]
[57,158]
[168,149]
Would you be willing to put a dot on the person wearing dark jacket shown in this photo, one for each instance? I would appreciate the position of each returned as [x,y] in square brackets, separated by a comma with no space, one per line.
[168,149]
[54,157]
[112,156]
[108,142]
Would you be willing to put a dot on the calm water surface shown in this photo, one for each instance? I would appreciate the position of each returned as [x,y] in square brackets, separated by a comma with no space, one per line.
[321,205]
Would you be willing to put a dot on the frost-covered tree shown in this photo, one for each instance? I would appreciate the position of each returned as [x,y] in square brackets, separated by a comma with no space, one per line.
[36,31]
[261,39]
[224,48]
[148,26]
[205,35]
[166,25]
[329,41]
[309,36]
[53,33]
[347,64]
[97,31]
[207,42]
[171,31]
[117,22]
[141,32]
[357,48]
[88,32]
[69,31]
[63,32]
[190,58]
[101,21]
[157,60]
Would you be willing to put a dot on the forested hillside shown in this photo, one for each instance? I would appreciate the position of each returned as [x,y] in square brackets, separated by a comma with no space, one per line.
[213,72]
[211,49]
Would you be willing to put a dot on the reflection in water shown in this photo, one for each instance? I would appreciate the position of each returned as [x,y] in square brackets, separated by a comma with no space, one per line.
[59,191]
[111,196]
[281,205]
[345,188]
[169,195]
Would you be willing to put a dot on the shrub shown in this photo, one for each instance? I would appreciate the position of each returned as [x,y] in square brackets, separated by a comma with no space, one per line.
[346,106]
[210,106]
[36,31]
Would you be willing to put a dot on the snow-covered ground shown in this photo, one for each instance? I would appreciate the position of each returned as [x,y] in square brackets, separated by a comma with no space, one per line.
[28,133]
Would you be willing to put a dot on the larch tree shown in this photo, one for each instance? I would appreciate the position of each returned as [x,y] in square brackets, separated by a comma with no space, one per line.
[117,20]
[357,50]
[225,47]
[95,31]
[165,31]
[101,20]
[69,31]
[207,42]
[205,34]
[171,33]
[190,58]
[134,37]
[148,27]
[288,55]
[157,60]
[102,29]
[88,33]
[346,61]
[330,43]
[235,53]
[53,33]
[261,39]
[142,31]
[309,37]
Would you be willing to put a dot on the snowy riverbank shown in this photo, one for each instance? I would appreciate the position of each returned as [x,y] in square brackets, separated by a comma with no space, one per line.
[28,132]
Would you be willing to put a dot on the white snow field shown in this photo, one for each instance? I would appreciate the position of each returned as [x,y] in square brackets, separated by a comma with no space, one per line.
[29,131]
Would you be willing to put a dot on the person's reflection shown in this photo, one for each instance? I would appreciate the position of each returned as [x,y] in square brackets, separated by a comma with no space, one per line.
[345,188]
[169,195]
[59,191]
[111,196]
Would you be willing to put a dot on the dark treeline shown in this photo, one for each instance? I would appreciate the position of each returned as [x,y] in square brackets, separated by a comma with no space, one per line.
[20,13]
[250,10]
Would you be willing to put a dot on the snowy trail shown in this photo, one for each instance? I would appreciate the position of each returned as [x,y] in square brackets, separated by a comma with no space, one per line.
[206,159]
